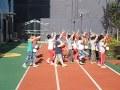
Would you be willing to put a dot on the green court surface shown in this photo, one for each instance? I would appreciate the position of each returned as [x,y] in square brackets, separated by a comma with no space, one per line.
[115,67]
[12,56]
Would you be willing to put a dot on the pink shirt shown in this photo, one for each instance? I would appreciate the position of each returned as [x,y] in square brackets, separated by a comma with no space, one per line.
[34,43]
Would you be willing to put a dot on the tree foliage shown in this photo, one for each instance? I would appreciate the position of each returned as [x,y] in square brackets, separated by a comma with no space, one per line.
[114,14]
[114,52]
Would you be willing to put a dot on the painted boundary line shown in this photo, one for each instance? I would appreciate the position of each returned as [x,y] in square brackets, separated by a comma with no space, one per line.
[22,78]
[24,75]
[57,78]
[112,70]
[99,88]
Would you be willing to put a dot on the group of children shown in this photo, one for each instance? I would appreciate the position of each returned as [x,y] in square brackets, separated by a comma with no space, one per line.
[78,47]
[55,50]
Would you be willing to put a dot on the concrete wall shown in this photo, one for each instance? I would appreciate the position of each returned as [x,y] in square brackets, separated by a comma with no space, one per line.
[64,12]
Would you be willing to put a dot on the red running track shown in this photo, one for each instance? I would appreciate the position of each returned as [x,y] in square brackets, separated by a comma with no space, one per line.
[73,77]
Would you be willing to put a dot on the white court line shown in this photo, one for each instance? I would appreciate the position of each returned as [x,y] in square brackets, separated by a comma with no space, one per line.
[99,88]
[23,76]
[57,79]
[112,69]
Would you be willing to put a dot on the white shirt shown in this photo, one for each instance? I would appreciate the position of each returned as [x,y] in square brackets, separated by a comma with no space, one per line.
[50,44]
[80,46]
[101,47]
[74,45]
[92,45]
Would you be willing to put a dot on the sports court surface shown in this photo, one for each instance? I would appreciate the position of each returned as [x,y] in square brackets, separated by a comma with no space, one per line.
[48,77]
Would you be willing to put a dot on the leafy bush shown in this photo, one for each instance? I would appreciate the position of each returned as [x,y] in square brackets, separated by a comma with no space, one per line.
[114,52]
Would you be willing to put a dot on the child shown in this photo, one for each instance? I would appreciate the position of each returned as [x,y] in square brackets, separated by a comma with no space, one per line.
[51,49]
[102,46]
[93,49]
[69,40]
[35,46]
[30,57]
[82,52]
[58,52]
[75,51]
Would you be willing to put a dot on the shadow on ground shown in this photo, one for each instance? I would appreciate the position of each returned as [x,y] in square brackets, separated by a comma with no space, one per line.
[4,48]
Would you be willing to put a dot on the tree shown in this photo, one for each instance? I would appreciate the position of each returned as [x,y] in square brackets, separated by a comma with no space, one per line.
[114,17]
[114,14]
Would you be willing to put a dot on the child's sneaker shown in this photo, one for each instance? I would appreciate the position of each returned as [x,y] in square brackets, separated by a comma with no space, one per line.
[95,62]
[24,65]
[64,65]
[51,63]
[48,60]
[71,61]
[31,64]
[103,66]
[81,57]
[81,63]
[55,65]
[92,62]
[99,64]
[34,65]
[77,61]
